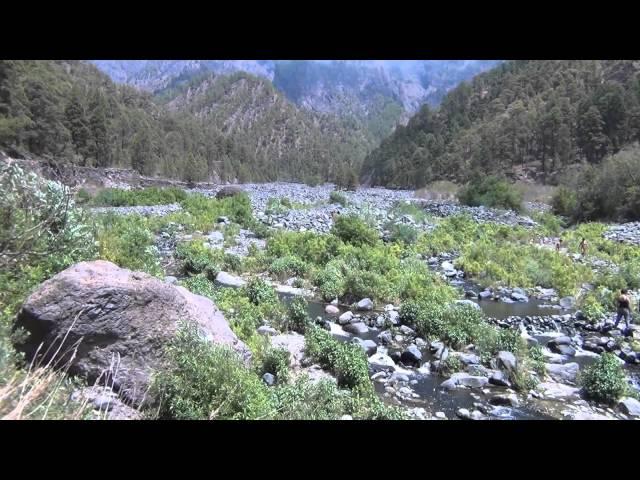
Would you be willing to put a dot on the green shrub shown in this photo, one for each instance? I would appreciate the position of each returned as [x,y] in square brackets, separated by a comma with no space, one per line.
[203,212]
[330,282]
[406,234]
[351,229]
[83,196]
[339,198]
[564,202]
[491,192]
[116,197]
[592,309]
[298,316]
[128,242]
[450,365]
[206,381]
[276,362]
[196,258]
[347,361]
[260,292]
[604,381]
[288,266]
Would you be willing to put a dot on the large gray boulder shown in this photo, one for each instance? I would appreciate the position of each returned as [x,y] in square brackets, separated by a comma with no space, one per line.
[120,321]
[229,191]
[227,280]
[563,373]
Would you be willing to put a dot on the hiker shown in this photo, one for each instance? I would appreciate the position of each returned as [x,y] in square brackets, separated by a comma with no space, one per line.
[558,245]
[583,247]
[624,309]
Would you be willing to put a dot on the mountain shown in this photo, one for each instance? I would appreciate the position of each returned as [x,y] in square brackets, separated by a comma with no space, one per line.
[230,127]
[545,115]
[379,94]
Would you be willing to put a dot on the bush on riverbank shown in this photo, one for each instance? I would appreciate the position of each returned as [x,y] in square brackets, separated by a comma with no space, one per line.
[117,197]
[491,191]
[41,234]
[353,230]
[604,381]
[204,381]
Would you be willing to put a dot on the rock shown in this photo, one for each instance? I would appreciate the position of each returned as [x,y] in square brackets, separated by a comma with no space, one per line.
[380,361]
[269,379]
[345,318]
[407,331]
[357,328]
[469,303]
[395,356]
[566,373]
[216,237]
[399,377]
[507,361]
[467,380]
[485,295]
[293,343]
[567,302]
[506,300]
[103,403]
[346,417]
[411,356]
[630,406]
[369,347]
[394,317]
[565,350]
[385,337]
[558,391]
[500,379]
[229,191]
[469,358]
[365,304]
[478,370]
[519,296]
[337,331]
[449,384]
[266,330]
[171,280]
[436,345]
[224,220]
[420,343]
[331,310]
[117,314]
[561,340]
[441,415]
[510,400]
[447,266]
[227,280]
[380,321]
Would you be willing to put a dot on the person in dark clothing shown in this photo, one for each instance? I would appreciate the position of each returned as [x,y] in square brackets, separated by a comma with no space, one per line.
[624,308]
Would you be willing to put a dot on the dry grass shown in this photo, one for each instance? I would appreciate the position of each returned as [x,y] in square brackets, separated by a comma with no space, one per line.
[534,192]
[43,390]
[441,190]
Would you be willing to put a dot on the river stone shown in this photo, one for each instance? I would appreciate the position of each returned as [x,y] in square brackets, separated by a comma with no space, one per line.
[509,399]
[565,350]
[385,337]
[411,356]
[380,361]
[469,303]
[447,266]
[467,380]
[345,318]
[266,330]
[519,296]
[500,379]
[394,317]
[331,310]
[365,304]
[630,406]
[116,314]
[566,373]
[449,384]
[407,331]
[507,361]
[484,295]
[558,391]
[229,191]
[357,328]
[369,347]
[567,302]
[227,280]
[269,379]
[171,280]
